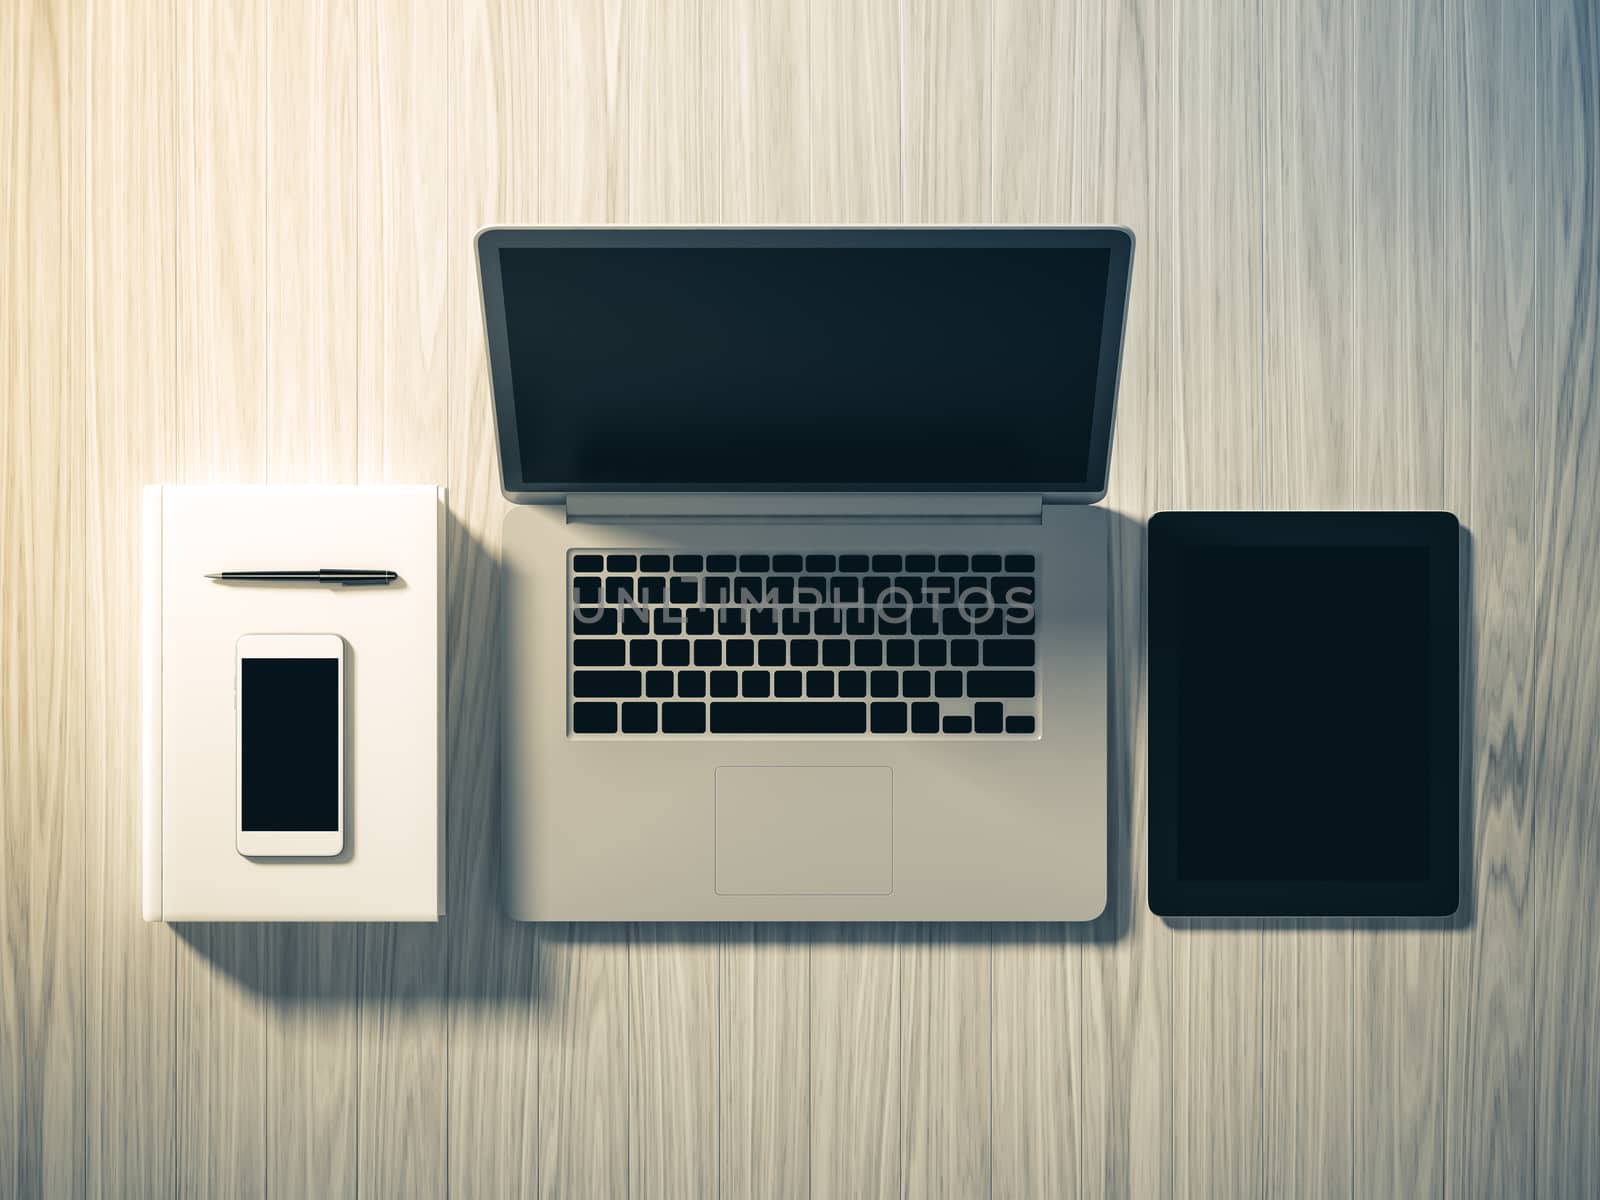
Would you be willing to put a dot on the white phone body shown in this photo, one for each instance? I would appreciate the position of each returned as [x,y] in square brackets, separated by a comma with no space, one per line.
[288,776]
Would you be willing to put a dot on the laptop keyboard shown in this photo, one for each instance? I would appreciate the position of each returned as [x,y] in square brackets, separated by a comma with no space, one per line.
[876,644]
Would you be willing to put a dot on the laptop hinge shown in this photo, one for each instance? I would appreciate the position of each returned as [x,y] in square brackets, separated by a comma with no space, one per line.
[805,507]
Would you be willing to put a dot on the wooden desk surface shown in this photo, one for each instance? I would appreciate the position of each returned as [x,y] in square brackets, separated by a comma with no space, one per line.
[236,246]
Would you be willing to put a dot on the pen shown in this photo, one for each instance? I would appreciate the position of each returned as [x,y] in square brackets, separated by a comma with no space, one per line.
[345,578]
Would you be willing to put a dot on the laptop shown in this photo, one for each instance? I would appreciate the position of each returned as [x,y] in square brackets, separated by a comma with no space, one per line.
[804,583]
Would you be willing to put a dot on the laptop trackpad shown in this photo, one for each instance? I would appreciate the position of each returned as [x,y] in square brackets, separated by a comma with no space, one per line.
[799,831]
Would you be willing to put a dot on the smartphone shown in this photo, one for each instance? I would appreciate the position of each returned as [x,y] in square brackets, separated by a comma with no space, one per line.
[289,713]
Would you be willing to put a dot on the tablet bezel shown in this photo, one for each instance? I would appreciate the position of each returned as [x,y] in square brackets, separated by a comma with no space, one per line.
[1438,533]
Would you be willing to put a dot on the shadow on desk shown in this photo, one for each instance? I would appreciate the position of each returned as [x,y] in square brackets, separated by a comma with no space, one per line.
[478,957]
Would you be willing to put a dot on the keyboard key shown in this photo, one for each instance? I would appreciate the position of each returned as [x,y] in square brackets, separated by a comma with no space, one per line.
[852,563]
[587,562]
[826,621]
[885,562]
[940,589]
[914,684]
[658,684]
[654,562]
[780,589]
[964,653]
[1019,724]
[836,653]
[958,724]
[987,718]
[698,622]
[724,683]
[900,652]
[925,717]
[812,590]
[721,562]
[620,562]
[985,562]
[860,621]
[683,718]
[675,653]
[1012,590]
[795,622]
[708,653]
[667,623]
[919,562]
[947,684]
[907,589]
[885,685]
[605,683]
[994,625]
[749,589]
[1008,652]
[786,683]
[852,683]
[684,591]
[803,653]
[924,622]
[754,562]
[763,622]
[1019,562]
[771,653]
[635,623]
[931,654]
[589,653]
[594,621]
[806,716]
[730,622]
[953,562]
[691,683]
[874,586]
[641,654]
[594,718]
[953,621]
[1000,683]
[889,718]
[820,562]
[687,562]
[1022,628]
[639,717]
[757,683]
[586,591]
[893,620]
[869,653]
[740,652]
[846,591]
[717,589]
[819,684]
[786,563]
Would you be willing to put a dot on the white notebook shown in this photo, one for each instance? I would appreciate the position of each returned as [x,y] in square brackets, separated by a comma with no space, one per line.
[392,868]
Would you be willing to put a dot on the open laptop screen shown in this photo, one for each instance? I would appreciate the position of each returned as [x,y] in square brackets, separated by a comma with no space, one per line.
[985,362]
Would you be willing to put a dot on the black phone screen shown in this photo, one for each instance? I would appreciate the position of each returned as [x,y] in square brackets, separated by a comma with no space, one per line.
[289,744]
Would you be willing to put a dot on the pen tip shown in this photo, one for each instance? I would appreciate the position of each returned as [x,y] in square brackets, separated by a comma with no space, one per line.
[213,576]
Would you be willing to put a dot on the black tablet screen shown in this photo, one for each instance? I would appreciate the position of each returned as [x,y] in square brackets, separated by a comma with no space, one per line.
[1302,707]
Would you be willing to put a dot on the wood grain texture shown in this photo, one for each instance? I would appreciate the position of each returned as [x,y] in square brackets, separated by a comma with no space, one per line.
[1489,965]
[129,966]
[1218,1116]
[237,249]
[494,981]
[1308,309]
[1409,452]
[764,1048]
[1564,763]
[43,741]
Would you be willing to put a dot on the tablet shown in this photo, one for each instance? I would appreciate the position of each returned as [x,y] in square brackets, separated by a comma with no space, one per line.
[1304,714]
